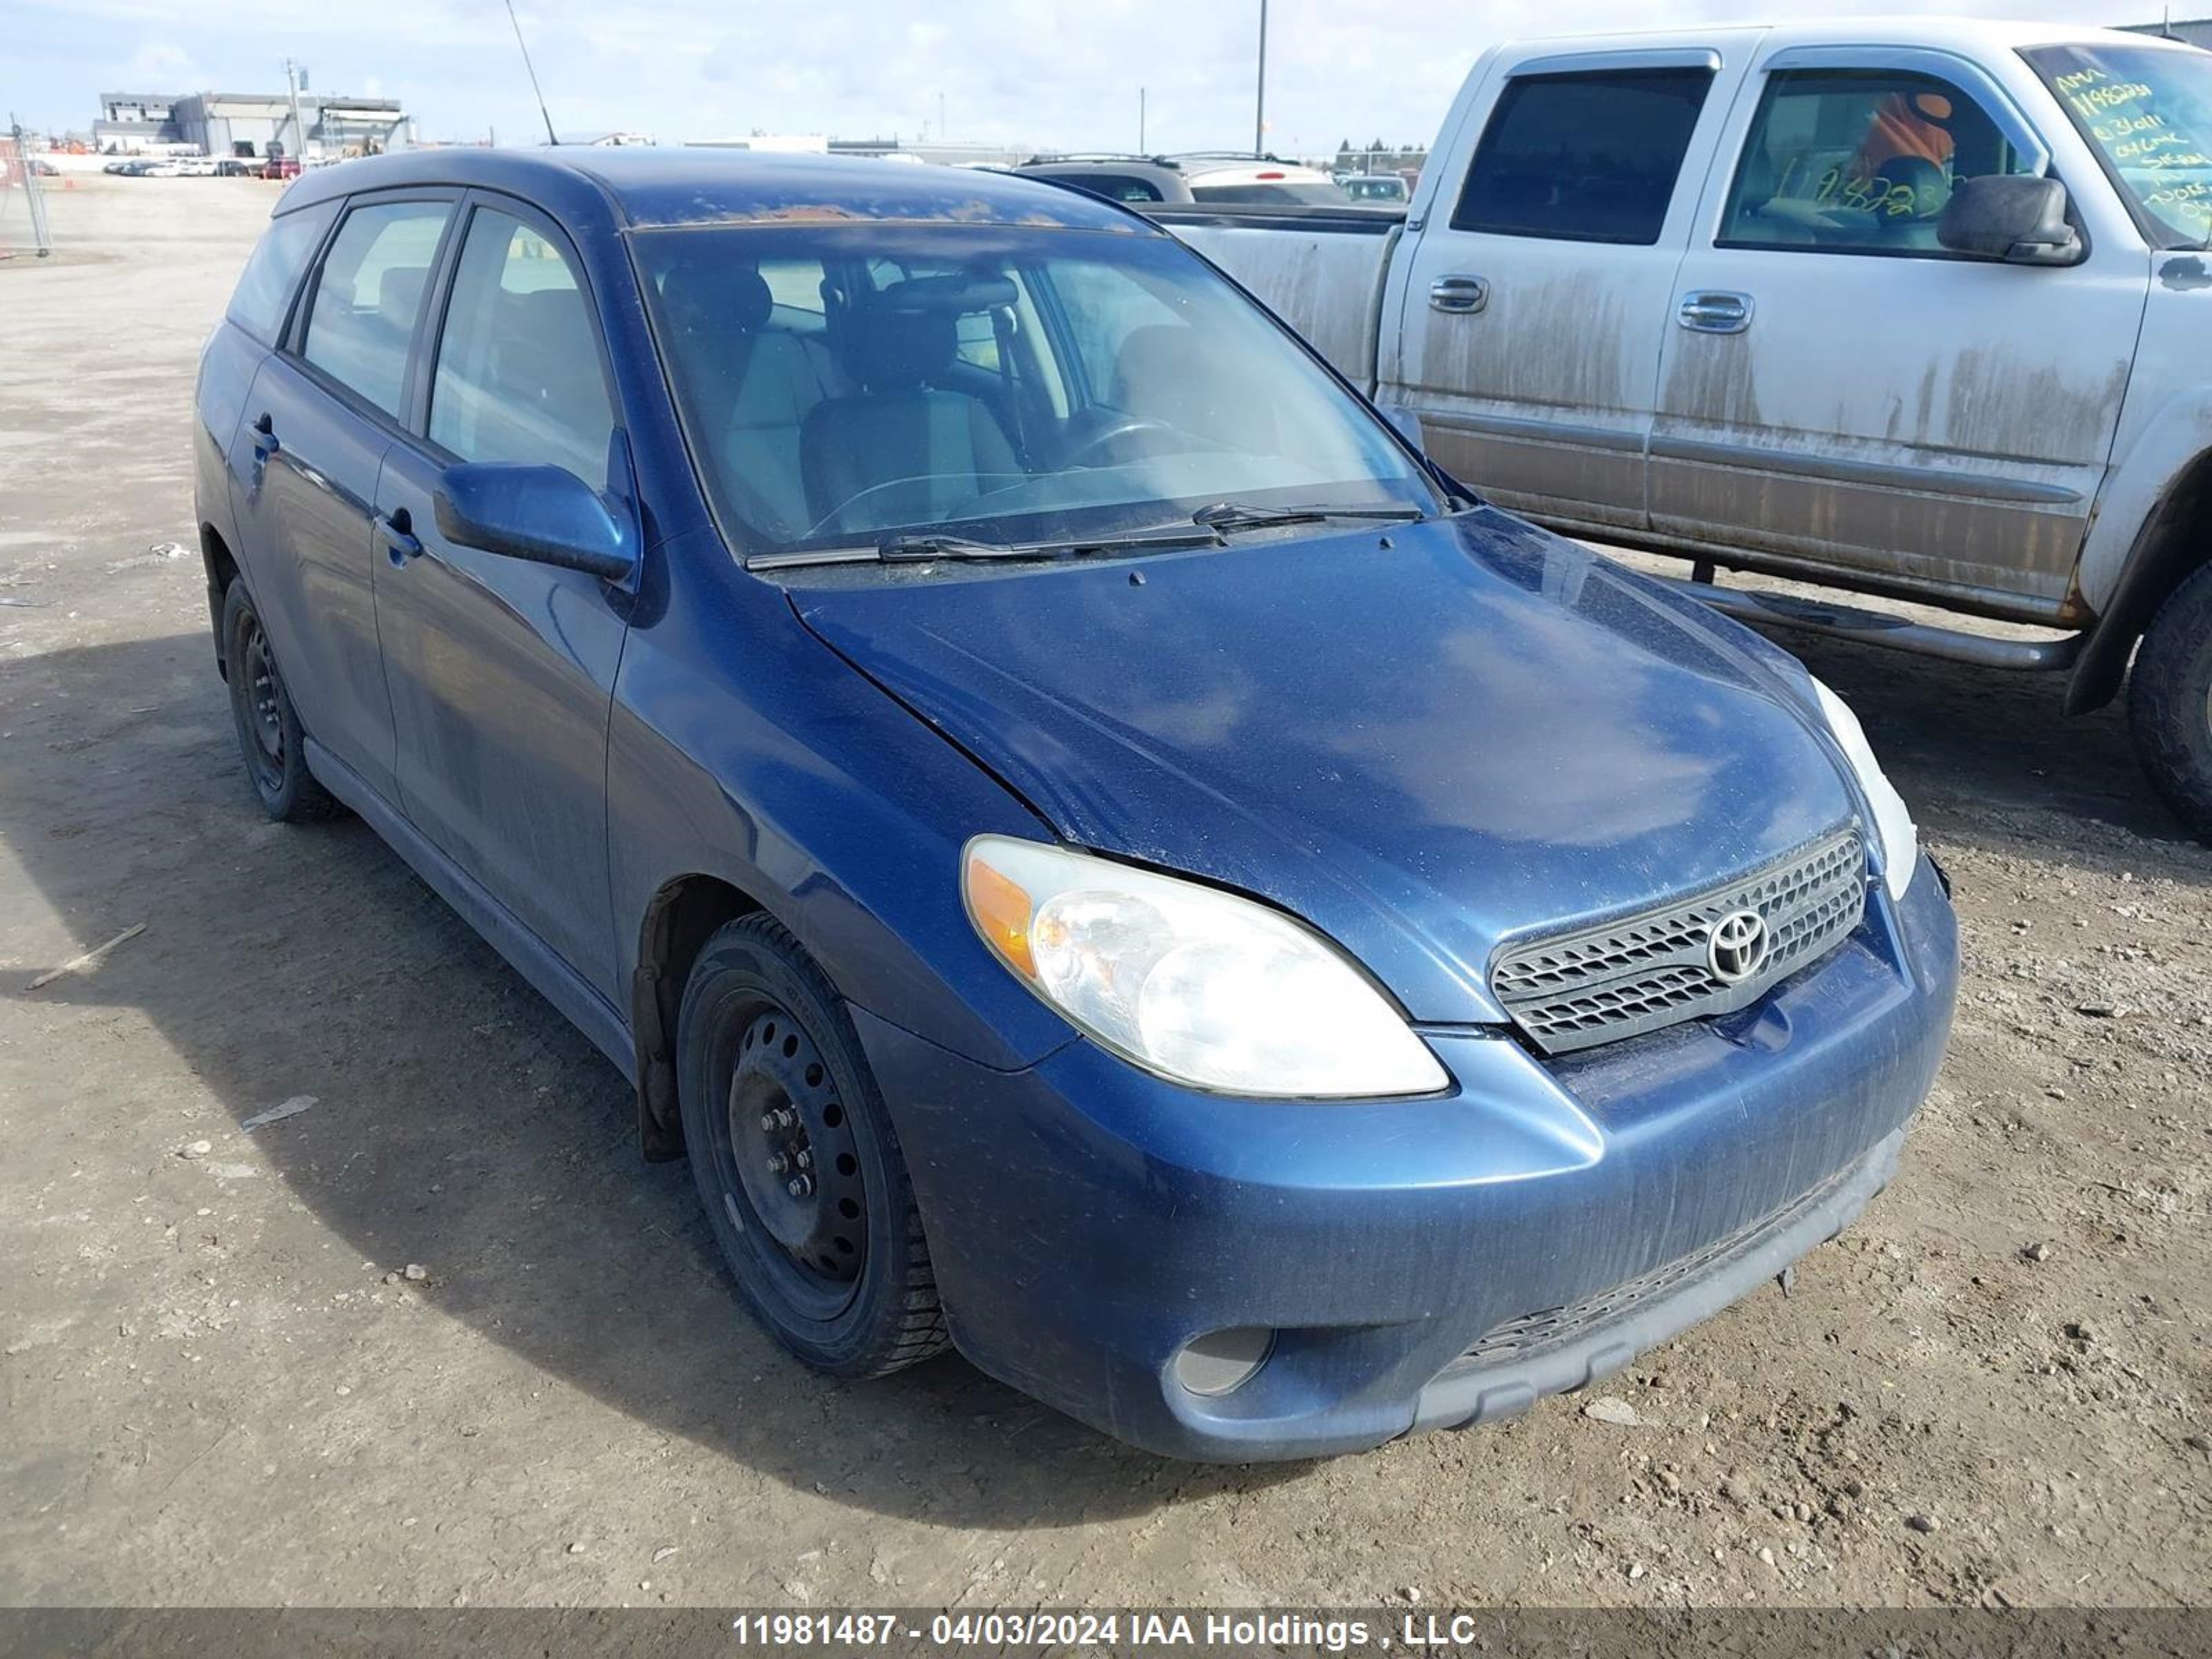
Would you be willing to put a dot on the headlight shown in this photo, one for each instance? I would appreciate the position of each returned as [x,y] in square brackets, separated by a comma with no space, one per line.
[1892,821]
[1193,984]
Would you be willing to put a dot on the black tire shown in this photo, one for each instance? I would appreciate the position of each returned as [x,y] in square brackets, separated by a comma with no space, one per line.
[270,740]
[2170,703]
[768,1068]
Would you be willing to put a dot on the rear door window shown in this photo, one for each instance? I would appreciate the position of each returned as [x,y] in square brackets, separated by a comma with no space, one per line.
[1589,157]
[369,293]
[265,288]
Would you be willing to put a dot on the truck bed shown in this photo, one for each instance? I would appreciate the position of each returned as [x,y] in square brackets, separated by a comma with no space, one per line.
[1320,269]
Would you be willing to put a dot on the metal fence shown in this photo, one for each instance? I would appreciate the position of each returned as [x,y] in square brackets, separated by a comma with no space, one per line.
[23,226]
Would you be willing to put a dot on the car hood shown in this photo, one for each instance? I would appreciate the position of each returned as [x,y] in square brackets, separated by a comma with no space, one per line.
[1424,743]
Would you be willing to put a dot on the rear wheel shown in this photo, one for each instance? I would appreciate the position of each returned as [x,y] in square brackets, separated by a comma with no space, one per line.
[2170,701]
[796,1161]
[269,736]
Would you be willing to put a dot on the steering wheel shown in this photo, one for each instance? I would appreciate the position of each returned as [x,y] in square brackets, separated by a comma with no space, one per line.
[1116,429]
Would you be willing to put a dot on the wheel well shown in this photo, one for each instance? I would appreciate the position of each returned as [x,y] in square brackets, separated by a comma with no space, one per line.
[222,571]
[683,915]
[2171,545]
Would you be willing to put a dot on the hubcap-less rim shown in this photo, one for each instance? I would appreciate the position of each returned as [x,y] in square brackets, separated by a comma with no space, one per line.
[261,698]
[796,1158]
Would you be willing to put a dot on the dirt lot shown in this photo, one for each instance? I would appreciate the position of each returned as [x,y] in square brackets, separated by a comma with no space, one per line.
[1994,1388]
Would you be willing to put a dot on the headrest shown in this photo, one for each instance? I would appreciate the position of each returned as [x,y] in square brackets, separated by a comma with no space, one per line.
[400,291]
[707,295]
[888,350]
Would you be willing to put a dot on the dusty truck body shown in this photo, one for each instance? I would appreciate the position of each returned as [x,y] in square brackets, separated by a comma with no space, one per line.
[1920,308]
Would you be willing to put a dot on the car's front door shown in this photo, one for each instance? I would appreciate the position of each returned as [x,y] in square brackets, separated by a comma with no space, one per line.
[502,670]
[1841,390]
[322,411]
[1537,286]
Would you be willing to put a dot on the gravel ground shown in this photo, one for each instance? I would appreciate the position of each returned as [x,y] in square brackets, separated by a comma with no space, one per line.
[437,1336]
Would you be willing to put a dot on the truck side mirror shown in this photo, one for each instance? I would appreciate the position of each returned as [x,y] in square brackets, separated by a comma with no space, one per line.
[2010,216]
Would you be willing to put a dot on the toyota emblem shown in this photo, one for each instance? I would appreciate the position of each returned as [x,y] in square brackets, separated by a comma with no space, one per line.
[1737,947]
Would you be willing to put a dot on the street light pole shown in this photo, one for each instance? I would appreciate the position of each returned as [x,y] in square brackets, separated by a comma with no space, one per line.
[1260,95]
[299,132]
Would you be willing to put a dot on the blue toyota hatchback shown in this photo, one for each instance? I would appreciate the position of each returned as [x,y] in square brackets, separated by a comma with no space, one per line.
[1099,854]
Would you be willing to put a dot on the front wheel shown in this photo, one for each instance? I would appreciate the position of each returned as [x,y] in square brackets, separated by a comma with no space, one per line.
[2170,703]
[796,1161]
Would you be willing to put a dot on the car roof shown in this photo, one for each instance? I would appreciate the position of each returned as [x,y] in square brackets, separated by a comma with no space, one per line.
[647,187]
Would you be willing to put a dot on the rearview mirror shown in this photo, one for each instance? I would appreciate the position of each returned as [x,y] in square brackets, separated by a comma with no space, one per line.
[2013,217]
[545,515]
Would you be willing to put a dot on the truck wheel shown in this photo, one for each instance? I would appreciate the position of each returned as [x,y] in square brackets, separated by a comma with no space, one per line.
[269,737]
[796,1161]
[2170,701]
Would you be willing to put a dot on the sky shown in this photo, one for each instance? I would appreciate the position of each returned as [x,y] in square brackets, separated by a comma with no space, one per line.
[1018,72]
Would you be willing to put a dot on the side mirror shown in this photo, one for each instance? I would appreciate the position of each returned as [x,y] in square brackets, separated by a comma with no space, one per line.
[1407,423]
[546,514]
[2010,216]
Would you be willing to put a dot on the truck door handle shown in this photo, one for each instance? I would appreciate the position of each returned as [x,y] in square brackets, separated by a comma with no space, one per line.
[396,530]
[1458,295]
[264,437]
[1711,311]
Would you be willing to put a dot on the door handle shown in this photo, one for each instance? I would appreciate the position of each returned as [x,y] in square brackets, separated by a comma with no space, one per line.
[264,437]
[1458,295]
[1714,311]
[396,530]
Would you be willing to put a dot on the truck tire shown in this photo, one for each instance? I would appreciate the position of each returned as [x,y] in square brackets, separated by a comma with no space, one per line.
[796,1161]
[2170,703]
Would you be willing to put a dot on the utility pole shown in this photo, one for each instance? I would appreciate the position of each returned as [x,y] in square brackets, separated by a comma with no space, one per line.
[1141,150]
[299,132]
[1260,96]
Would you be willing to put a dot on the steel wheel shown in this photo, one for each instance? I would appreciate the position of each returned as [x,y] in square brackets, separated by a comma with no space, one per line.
[264,711]
[796,1162]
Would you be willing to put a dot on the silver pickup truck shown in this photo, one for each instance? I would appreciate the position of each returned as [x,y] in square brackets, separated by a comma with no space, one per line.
[1919,309]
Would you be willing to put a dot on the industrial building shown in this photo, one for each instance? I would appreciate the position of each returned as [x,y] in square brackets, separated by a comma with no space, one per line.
[250,124]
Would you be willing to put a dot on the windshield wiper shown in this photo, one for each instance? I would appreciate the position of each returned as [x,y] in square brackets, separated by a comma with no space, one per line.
[1245,515]
[930,549]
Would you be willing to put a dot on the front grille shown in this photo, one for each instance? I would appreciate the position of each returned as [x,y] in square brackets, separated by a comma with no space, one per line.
[1598,984]
[1549,1328]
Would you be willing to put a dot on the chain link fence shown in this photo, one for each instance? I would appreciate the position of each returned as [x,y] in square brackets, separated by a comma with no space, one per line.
[23,226]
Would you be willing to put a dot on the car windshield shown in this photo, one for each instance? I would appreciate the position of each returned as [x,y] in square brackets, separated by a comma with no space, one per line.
[853,384]
[2148,110]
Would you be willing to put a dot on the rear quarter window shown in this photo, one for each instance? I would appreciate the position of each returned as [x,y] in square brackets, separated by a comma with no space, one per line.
[272,273]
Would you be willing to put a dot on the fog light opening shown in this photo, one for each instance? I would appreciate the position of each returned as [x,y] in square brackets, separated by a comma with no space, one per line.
[1221,1362]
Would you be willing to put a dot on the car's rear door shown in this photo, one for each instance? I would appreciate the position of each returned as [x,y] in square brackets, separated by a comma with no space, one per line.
[502,670]
[1537,283]
[323,409]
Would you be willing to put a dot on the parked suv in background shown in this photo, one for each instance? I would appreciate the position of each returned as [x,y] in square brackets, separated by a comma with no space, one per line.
[1208,179]
[1096,851]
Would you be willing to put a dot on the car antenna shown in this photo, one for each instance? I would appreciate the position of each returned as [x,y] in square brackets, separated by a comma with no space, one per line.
[551,137]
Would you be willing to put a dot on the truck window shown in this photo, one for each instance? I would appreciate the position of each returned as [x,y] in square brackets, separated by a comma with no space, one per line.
[1583,158]
[1859,162]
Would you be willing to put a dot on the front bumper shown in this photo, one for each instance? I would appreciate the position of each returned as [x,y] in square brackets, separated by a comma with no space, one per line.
[1087,1220]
